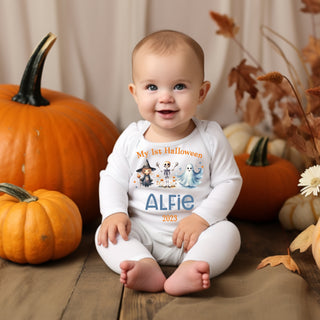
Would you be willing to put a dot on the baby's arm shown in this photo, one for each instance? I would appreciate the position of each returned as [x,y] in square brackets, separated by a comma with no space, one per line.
[188,231]
[212,209]
[111,226]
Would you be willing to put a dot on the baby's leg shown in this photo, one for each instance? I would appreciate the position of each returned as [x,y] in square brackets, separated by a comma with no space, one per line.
[210,256]
[132,260]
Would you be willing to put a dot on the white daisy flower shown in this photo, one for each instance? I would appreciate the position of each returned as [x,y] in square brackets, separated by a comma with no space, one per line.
[310,181]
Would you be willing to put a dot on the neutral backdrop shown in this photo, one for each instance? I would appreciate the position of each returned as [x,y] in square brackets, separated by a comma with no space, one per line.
[91,57]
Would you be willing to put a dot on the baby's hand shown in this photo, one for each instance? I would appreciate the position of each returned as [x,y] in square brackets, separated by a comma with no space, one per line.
[111,226]
[188,231]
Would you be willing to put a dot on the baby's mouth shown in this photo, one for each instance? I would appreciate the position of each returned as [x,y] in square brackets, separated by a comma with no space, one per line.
[166,111]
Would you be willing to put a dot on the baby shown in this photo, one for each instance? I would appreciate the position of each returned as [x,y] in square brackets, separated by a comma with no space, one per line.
[176,216]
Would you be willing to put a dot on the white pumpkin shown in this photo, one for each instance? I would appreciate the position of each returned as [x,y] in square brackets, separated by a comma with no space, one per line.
[242,138]
[239,135]
[299,212]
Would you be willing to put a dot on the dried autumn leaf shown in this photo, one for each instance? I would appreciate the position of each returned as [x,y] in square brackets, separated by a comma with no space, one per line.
[290,113]
[311,52]
[286,260]
[311,6]
[314,91]
[241,75]
[253,113]
[226,24]
[283,126]
[303,240]
[314,98]
[276,93]
[301,143]
[312,135]
[314,123]
[314,105]
[278,128]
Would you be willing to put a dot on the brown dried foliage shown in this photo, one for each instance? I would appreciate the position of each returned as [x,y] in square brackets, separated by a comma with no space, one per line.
[311,6]
[226,24]
[295,115]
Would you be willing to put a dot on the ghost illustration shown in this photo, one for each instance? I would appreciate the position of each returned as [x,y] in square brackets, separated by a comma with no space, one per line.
[190,178]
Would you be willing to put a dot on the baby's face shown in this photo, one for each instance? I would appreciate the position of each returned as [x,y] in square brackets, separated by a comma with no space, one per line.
[168,88]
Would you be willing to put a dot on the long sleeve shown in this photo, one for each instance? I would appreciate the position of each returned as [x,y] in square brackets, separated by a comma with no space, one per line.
[226,180]
[113,196]
[220,201]
[114,180]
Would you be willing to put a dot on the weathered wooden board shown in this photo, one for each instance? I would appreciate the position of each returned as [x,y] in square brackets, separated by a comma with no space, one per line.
[97,293]
[40,291]
[81,286]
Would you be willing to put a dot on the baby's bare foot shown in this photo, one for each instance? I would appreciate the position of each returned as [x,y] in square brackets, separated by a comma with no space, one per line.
[190,276]
[142,275]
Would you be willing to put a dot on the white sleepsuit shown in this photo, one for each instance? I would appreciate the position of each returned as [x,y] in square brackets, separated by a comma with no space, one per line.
[158,184]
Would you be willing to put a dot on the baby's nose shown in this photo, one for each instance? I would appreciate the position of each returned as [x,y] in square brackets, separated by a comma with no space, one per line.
[166,97]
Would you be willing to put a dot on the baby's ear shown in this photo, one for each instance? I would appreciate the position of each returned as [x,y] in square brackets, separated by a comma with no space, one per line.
[205,87]
[132,89]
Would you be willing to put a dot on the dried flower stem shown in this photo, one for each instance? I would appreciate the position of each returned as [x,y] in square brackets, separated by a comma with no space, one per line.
[275,77]
[288,63]
[248,53]
[293,47]
[291,69]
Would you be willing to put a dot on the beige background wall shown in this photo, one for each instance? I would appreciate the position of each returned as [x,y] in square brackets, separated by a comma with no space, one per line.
[91,58]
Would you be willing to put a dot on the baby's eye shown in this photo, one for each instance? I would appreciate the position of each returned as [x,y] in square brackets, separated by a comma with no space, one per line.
[179,86]
[152,87]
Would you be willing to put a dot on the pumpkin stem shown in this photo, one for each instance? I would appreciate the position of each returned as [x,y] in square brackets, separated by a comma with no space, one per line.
[17,192]
[259,154]
[30,86]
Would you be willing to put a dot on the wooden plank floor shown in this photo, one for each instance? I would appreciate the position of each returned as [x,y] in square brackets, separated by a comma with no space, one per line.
[80,286]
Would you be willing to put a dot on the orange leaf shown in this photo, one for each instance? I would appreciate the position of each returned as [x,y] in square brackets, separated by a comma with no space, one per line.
[227,27]
[286,260]
[241,75]
[303,240]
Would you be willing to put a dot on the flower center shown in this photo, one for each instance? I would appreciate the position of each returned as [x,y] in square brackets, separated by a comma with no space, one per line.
[315,182]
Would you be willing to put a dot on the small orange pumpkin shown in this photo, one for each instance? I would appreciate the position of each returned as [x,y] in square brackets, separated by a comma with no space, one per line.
[268,181]
[52,140]
[34,228]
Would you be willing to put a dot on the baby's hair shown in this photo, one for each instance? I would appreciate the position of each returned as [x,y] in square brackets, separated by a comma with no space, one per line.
[166,41]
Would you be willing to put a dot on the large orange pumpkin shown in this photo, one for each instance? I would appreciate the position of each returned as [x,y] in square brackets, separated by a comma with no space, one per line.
[268,181]
[37,227]
[52,140]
